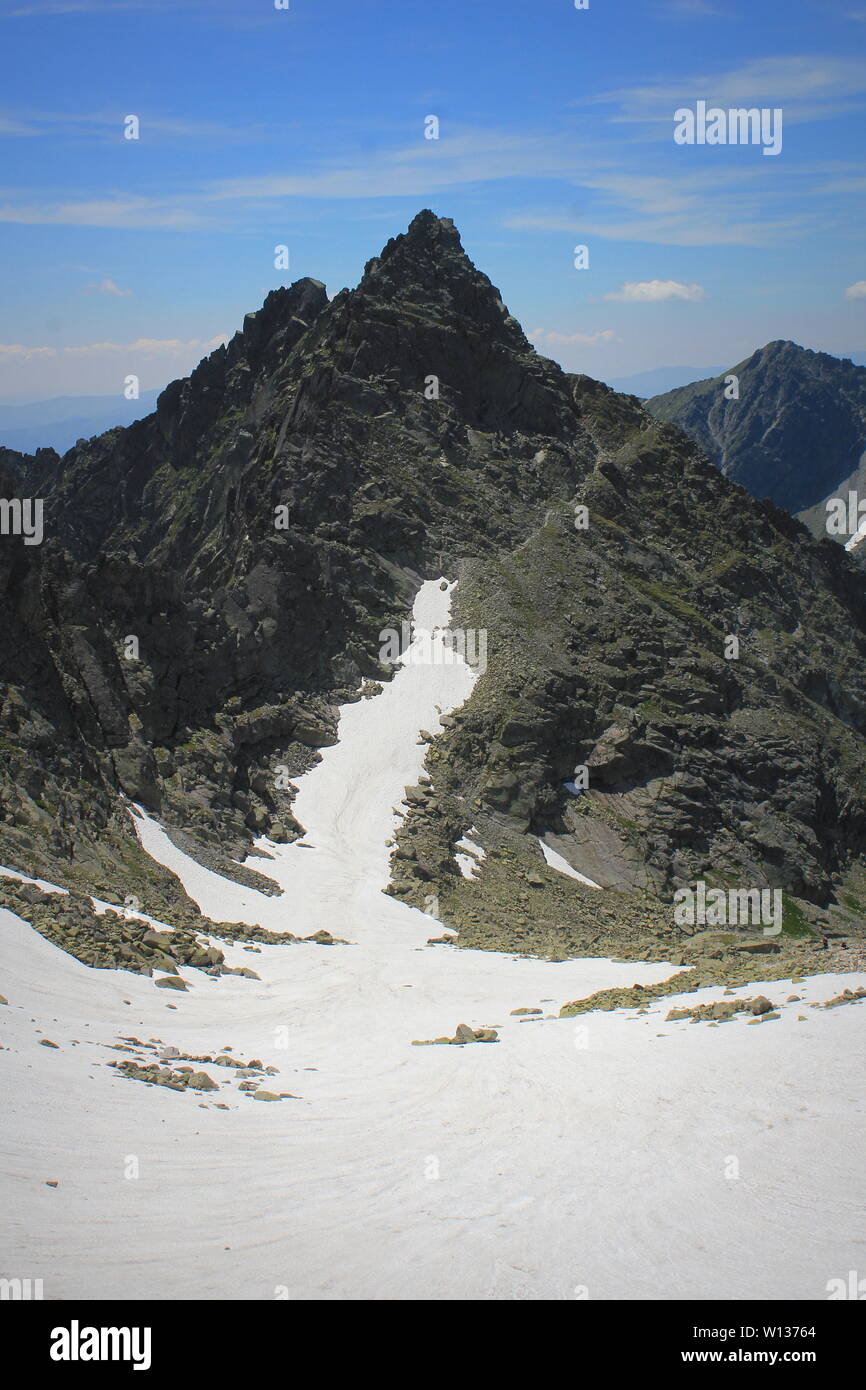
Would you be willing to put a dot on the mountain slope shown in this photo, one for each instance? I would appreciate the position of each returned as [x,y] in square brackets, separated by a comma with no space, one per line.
[606,645]
[797,431]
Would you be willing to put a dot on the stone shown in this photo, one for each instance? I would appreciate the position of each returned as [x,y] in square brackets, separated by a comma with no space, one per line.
[759,1005]
[200,1081]
[170,982]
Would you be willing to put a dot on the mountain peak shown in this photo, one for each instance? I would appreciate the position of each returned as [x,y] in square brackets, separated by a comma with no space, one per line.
[426,234]
[423,310]
[796,433]
[426,270]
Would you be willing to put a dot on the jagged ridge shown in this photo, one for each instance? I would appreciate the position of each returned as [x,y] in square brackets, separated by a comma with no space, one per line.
[606,646]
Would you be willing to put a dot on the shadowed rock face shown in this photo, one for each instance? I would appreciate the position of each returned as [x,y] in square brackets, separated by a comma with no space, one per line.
[797,431]
[405,429]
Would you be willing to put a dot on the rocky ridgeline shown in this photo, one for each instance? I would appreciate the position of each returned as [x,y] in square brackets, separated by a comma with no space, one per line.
[111,940]
[793,961]
[606,645]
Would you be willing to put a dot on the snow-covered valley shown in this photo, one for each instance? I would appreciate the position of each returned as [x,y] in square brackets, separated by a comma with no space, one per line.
[614,1155]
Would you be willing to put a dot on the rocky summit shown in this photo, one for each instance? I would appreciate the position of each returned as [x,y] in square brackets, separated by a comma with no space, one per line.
[214,582]
[787,423]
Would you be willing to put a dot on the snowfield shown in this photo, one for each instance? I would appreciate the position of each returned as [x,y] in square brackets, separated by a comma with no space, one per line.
[609,1156]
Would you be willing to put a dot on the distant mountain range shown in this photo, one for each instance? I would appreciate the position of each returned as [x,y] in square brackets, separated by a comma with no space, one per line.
[796,433]
[658,380]
[60,422]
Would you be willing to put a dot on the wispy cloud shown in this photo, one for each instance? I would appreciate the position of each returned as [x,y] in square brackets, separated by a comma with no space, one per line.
[622,194]
[107,286]
[118,211]
[10,126]
[114,8]
[809,88]
[462,156]
[144,347]
[733,207]
[554,339]
[419,170]
[151,347]
[109,126]
[693,9]
[17,352]
[685,208]
[654,291]
[857,290]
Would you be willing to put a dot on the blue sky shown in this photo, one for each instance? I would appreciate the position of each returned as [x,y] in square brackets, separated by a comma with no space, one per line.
[305,127]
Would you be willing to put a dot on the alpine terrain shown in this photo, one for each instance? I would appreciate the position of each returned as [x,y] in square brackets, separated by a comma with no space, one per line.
[795,431]
[389,690]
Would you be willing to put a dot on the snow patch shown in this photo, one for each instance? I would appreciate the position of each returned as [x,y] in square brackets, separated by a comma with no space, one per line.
[469,863]
[529,1150]
[562,866]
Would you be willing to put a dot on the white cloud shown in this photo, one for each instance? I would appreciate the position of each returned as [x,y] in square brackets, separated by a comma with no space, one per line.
[106,7]
[697,9]
[101,212]
[146,347]
[606,335]
[710,207]
[857,290]
[107,286]
[98,368]
[654,291]
[151,347]
[17,352]
[414,170]
[809,87]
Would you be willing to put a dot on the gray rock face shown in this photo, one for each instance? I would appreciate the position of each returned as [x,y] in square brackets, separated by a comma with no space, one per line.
[257,531]
[796,432]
